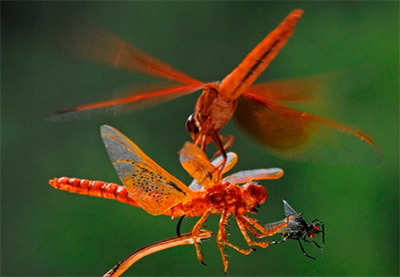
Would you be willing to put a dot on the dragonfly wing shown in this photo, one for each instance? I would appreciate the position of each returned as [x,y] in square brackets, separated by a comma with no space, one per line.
[288,209]
[136,98]
[91,41]
[254,174]
[153,188]
[243,76]
[231,160]
[301,136]
[196,163]
[291,90]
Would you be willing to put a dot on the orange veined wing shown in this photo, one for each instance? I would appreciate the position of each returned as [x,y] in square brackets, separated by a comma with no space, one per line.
[153,188]
[254,174]
[231,160]
[244,75]
[90,41]
[301,136]
[196,163]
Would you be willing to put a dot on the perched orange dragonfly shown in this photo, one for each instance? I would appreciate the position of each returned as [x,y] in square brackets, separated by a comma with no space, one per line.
[257,109]
[148,186]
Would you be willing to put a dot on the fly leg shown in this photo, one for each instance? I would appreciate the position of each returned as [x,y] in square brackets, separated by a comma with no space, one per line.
[304,251]
[195,234]
[278,242]
[264,232]
[315,243]
[222,240]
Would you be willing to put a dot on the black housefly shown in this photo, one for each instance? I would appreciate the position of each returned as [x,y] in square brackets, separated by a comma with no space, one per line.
[298,229]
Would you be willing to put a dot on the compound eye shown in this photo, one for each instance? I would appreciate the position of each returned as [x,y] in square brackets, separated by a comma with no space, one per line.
[315,227]
[311,235]
[191,127]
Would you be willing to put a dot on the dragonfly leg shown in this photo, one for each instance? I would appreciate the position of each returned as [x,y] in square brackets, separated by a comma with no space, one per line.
[221,149]
[222,240]
[228,143]
[264,232]
[250,242]
[304,251]
[195,233]
[251,229]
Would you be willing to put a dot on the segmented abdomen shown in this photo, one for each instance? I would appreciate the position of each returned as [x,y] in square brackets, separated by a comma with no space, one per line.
[93,188]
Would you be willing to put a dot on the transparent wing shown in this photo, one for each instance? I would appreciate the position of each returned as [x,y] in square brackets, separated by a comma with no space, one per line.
[288,209]
[230,162]
[196,163]
[273,225]
[254,174]
[153,188]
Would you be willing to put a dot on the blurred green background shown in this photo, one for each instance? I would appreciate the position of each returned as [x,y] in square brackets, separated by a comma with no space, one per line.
[49,232]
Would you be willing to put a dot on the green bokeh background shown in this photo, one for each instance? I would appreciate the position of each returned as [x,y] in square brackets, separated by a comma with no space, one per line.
[49,232]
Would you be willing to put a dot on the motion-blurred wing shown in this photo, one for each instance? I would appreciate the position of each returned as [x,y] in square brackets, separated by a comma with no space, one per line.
[254,174]
[231,160]
[88,40]
[153,188]
[135,98]
[291,90]
[301,136]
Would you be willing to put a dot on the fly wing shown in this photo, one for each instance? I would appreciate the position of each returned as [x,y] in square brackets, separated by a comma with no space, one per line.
[153,188]
[273,225]
[231,160]
[288,209]
[254,174]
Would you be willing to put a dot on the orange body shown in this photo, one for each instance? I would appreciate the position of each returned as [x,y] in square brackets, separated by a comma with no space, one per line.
[256,108]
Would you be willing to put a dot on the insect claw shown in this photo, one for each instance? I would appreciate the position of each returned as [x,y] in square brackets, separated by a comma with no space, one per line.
[203,263]
[254,249]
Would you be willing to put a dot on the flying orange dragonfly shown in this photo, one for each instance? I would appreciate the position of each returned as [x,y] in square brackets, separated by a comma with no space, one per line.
[148,186]
[258,109]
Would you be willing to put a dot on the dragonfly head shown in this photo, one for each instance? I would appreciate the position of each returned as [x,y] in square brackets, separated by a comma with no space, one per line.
[254,195]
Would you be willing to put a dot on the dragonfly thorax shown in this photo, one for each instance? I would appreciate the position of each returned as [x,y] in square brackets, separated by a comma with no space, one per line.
[235,199]
[212,112]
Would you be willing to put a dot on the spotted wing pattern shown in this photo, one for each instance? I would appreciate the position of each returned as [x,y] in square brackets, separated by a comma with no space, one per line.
[153,188]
